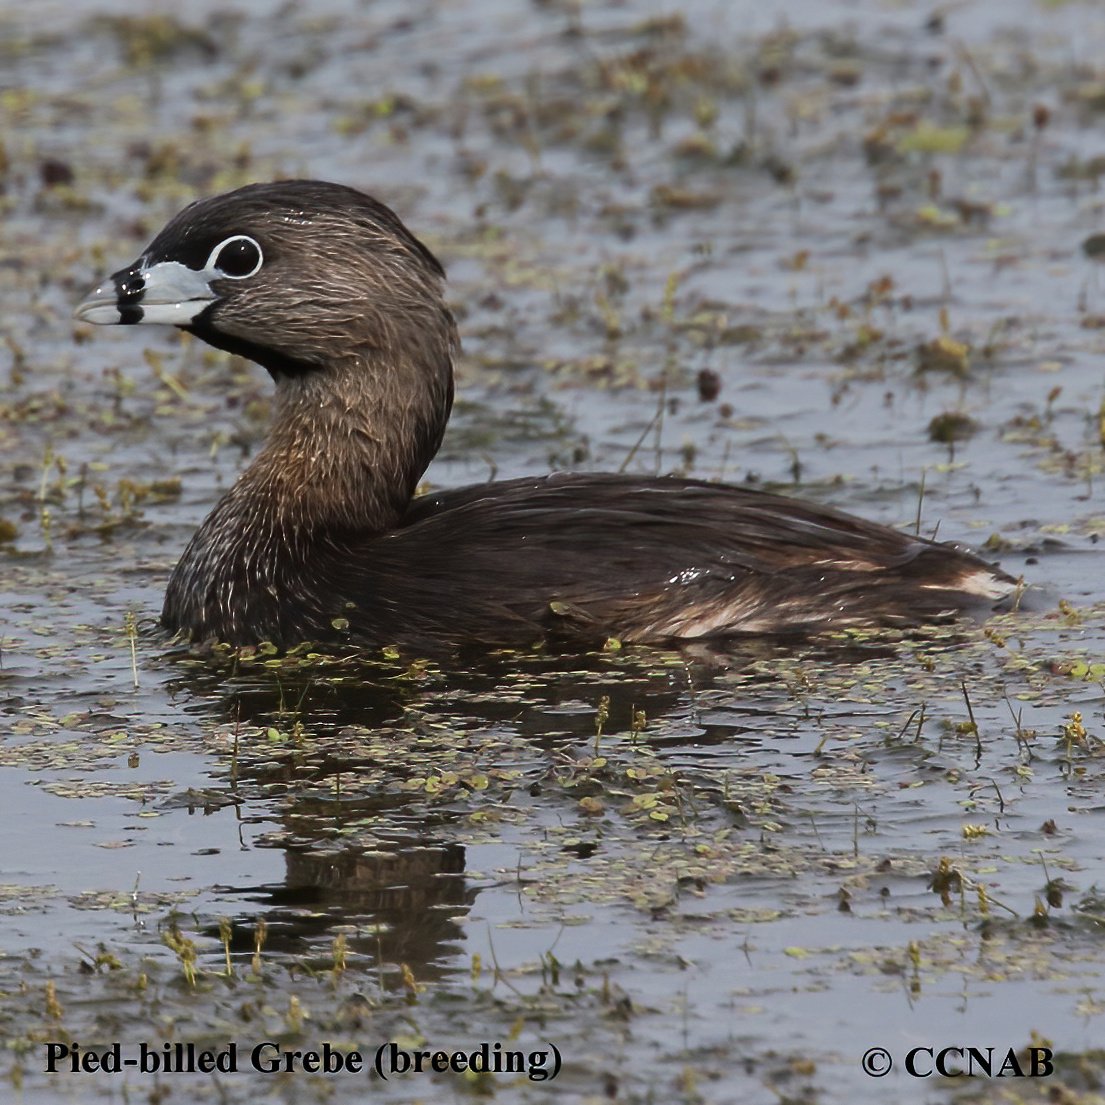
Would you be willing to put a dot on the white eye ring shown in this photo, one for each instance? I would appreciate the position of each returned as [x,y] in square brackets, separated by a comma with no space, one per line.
[213,262]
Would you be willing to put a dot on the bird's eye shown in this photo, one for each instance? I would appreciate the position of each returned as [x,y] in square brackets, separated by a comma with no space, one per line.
[237,257]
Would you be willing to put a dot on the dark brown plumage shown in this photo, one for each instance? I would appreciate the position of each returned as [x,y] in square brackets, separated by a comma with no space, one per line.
[320,538]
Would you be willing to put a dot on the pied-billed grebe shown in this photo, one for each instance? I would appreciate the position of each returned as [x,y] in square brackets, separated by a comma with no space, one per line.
[320,537]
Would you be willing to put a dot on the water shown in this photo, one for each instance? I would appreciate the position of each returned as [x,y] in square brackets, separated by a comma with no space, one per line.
[733,890]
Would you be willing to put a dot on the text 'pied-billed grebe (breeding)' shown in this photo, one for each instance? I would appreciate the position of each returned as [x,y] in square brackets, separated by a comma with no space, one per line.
[321,538]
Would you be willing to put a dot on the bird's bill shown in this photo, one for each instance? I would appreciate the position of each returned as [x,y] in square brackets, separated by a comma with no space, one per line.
[167,292]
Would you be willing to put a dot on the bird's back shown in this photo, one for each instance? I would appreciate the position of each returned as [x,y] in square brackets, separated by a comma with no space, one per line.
[596,556]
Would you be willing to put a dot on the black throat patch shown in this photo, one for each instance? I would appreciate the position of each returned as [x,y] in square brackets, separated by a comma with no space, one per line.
[276,363]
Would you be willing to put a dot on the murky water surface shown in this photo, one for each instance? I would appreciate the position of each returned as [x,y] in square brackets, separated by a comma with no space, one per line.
[705,877]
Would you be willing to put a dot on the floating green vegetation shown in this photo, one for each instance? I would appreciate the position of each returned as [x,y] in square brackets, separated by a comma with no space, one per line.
[814,260]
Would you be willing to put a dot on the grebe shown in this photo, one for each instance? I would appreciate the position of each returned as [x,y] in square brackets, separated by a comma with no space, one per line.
[321,538]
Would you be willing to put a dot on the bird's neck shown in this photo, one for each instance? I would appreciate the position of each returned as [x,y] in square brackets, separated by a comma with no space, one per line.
[347,447]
